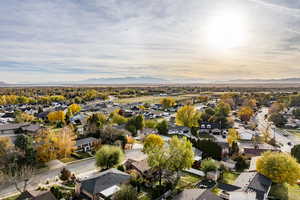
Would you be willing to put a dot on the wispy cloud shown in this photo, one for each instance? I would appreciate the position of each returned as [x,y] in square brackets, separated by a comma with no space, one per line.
[70,40]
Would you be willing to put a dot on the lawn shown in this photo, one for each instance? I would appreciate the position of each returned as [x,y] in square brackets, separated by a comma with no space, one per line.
[12,197]
[187,181]
[152,99]
[229,177]
[285,192]
[295,132]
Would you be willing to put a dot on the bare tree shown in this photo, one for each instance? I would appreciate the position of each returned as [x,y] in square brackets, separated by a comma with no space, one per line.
[18,175]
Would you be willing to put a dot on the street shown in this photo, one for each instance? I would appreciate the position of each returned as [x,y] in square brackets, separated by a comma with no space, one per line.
[80,168]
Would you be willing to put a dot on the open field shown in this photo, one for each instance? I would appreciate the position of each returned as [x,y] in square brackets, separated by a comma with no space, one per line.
[153,99]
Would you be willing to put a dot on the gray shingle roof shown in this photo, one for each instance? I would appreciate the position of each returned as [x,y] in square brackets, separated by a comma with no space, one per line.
[85,141]
[5,127]
[196,194]
[104,180]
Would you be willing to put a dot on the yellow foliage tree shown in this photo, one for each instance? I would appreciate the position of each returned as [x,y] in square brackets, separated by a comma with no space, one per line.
[74,108]
[245,113]
[56,116]
[5,145]
[55,144]
[24,117]
[187,116]
[279,167]
[167,102]
[233,136]
[152,141]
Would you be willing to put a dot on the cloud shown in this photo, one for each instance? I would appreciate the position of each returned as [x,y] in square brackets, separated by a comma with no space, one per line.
[70,40]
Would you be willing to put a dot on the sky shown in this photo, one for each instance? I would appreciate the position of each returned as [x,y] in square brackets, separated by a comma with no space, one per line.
[70,40]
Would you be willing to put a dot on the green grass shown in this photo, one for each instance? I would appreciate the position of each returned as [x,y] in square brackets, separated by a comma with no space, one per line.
[229,177]
[295,132]
[187,181]
[285,192]
[12,197]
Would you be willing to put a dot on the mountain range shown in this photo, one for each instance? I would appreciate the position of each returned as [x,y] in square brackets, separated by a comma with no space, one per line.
[152,80]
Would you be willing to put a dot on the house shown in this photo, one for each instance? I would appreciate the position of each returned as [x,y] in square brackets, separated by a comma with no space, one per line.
[251,149]
[208,127]
[248,185]
[102,185]
[11,129]
[141,167]
[196,194]
[31,129]
[36,195]
[86,144]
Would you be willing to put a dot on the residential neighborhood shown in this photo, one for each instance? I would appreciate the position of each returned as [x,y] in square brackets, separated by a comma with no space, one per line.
[205,146]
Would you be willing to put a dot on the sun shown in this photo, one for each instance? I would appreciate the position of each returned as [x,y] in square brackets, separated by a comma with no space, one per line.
[226,31]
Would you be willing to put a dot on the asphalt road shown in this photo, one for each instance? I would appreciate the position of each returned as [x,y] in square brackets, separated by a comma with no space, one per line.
[279,135]
[80,168]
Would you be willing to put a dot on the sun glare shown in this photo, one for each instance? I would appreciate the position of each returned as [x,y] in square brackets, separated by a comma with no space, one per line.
[226,31]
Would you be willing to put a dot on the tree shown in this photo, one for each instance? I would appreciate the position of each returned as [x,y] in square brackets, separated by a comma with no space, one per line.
[112,136]
[65,174]
[127,192]
[187,116]
[279,167]
[5,145]
[233,136]
[135,123]
[96,122]
[209,148]
[241,163]
[276,107]
[25,144]
[55,144]
[153,141]
[167,102]
[296,152]
[181,154]
[245,113]
[249,102]
[296,113]
[209,165]
[278,119]
[109,156]
[74,108]
[294,100]
[57,116]
[116,118]
[19,175]
[162,127]
[24,117]
[150,123]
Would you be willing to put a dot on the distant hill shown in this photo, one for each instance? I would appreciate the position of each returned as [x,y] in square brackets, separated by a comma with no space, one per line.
[3,83]
[124,80]
[284,80]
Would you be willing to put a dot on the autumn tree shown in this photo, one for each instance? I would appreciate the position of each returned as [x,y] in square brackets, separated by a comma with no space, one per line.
[276,107]
[233,136]
[55,144]
[167,102]
[96,122]
[279,167]
[245,113]
[74,108]
[187,116]
[5,145]
[108,156]
[249,102]
[153,141]
[24,117]
[57,116]
[116,118]
[135,123]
